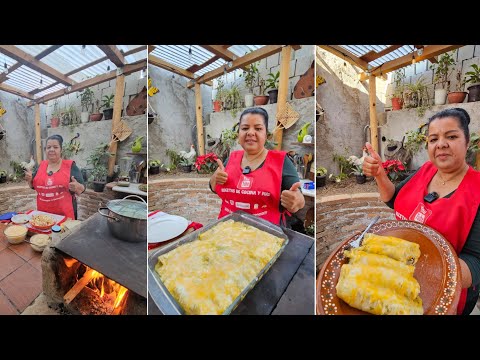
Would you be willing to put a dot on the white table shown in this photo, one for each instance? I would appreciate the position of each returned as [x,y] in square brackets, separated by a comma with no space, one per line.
[132,189]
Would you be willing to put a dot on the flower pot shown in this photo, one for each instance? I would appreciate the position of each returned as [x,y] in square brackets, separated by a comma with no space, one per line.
[260,100]
[273,95]
[54,122]
[3,179]
[96,117]
[108,113]
[397,103]
[99,186]
[360,179]
[456,97]
[84,116]
[186,168]
[440,96]
[150,119]
[154,170]
[248,100]
[217,106]
[321,181]
[474,93]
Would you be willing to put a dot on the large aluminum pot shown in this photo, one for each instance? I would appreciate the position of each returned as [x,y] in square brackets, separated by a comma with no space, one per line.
[127,219]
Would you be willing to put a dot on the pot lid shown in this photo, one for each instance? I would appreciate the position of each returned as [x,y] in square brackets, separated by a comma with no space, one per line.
[129,208]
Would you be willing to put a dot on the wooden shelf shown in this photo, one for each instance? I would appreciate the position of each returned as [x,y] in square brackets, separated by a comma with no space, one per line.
[305,144]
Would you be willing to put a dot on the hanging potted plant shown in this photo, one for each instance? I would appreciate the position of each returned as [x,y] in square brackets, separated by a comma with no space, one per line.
[86,100]
[107,103]
[457,96]
[442,73]
[473,77]
[272,83]
[397,96]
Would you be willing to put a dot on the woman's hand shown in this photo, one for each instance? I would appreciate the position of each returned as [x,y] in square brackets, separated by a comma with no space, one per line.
[220,176]
[372,164]
[292,199]
[28,176]
[75,187]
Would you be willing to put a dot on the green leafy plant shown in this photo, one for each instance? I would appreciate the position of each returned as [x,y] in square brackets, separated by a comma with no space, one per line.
[250,74]
[153,163]
[321,171]
[310,230]
[98,160]
[272,80]
[472,149]
[71,149]
[86,99]
[473,76]
[232,100]
[221,91]
[345,166]
[56,111]
[186,161]
[443,69]
[107,101]
[399,87]
[416,139]
[3,173]
[69,116]
[174,158]
[18,171]
[416,94]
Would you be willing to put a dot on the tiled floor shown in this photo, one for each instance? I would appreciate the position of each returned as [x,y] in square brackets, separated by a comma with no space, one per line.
[20,277]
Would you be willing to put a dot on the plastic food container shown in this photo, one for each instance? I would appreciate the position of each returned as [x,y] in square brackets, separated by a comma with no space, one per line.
[39,242]
[15,234]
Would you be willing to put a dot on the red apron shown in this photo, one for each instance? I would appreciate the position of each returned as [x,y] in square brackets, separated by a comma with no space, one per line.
[257,193]
[53,195]
[452,217]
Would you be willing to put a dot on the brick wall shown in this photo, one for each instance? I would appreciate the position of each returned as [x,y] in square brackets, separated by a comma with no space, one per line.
[90,200]
[189,197]
[16,197]
[339,217]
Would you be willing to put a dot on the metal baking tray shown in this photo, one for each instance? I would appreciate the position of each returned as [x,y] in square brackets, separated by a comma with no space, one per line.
[159,292]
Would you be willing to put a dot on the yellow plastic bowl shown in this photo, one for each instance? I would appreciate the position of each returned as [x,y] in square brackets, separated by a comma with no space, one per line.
[15,234]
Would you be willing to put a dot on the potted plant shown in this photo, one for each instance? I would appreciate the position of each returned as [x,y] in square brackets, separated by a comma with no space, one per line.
[154,167]
[206,164]
[69,116]
[186,164]
[457,96]
[394,169]
[472,149]
[272,83]
[107,103]
[3,176]
[473,77]
[357,168]
[321,176]
[442,73]
[232,100]
[98,160]
[219,97]
[249,75]
[86,100]
[397,96]
[55,120]
[96,115]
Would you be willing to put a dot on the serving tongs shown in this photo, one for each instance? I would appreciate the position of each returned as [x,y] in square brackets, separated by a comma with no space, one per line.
[358,241]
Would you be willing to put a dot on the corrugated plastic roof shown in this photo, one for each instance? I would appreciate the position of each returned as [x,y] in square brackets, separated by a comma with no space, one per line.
[65,59]
[360,50]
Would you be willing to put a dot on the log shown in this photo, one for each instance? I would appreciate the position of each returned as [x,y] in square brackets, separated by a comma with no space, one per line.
[75,290]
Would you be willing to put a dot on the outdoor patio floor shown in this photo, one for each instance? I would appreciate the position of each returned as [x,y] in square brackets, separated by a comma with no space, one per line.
[20,276]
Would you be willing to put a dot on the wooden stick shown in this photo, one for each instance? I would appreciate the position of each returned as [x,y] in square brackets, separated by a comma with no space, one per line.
[75,290]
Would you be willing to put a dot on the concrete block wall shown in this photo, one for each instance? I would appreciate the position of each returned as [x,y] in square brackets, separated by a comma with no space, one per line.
[300,62]
[133,85]
[464,56]
[339,217]
[190,198]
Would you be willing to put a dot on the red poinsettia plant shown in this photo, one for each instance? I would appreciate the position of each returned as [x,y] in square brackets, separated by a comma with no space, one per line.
[394,169]
[206,163]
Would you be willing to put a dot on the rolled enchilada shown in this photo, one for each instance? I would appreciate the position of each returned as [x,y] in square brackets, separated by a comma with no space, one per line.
[402,250]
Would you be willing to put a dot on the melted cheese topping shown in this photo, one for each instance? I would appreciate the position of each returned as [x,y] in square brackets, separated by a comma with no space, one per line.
[205,276]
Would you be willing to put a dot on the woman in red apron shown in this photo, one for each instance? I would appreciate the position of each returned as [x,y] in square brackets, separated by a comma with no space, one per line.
[57,181]
[256,180]
[443,194]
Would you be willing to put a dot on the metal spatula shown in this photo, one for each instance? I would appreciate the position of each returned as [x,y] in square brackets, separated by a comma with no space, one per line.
[357,242]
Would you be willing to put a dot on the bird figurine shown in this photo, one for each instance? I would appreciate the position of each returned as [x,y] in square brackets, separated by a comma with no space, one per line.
[188,155]
[28,166]
[137,144]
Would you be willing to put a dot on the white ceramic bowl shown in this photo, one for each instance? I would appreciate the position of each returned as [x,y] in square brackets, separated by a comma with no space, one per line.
[39,242]
[20,218]
[15,234]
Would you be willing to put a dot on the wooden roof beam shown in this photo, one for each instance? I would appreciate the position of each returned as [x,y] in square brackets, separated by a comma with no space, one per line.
[86,66]
[49,50]
[151,48]
[372,55]
[220,51]
[126,70]
[153,60]
[15,91]
[346,55]
[238,63]
[114,54]
[30,61]
[429,51]
[194,68]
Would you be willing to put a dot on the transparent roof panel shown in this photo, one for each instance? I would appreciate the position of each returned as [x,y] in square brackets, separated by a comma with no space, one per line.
[360,50]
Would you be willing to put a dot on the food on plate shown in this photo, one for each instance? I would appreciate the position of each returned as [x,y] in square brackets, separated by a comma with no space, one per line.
[20,218]
[378,278]
[39,241]
[15,230]
[42,221]
[402,250]
[205,276]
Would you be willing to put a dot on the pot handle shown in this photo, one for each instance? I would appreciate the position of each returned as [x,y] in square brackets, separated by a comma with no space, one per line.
[136,197]
[108,216]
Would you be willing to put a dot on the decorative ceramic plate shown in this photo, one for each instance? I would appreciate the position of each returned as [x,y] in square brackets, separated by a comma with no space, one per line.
[437,271]
[165,227]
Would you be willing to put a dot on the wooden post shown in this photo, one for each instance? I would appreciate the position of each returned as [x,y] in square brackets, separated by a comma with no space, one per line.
[372,92]
[282,91]
[117,112]
[477,161]
[38,137]
[198,112]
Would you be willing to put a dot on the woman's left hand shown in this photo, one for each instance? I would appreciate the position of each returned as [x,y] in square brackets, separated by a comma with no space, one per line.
[75,186]
[293,199]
